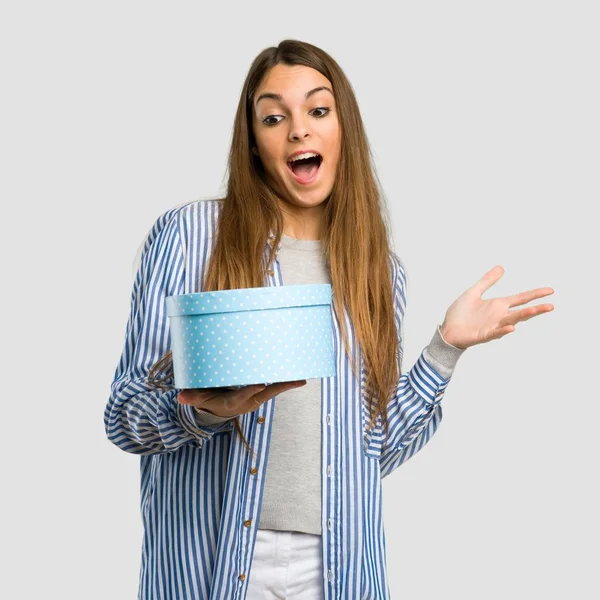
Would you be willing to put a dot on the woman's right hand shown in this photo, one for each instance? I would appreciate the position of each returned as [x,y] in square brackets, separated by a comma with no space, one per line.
[225,402]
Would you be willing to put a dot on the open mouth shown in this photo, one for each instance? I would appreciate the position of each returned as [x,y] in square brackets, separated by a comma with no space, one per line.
[305,170]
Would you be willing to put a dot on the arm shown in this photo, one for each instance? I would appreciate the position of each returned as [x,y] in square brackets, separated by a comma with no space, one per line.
[415,412]
[139,418]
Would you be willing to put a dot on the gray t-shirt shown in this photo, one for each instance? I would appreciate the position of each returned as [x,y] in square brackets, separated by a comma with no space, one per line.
[292,496]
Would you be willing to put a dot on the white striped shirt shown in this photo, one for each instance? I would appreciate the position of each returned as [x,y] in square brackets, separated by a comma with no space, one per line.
[200,501]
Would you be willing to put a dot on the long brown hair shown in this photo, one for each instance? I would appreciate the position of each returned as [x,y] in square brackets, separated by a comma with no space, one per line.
[356,238]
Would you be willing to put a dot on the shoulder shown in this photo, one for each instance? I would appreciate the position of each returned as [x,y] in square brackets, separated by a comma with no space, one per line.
[182,218]
[184,215]
[190,210]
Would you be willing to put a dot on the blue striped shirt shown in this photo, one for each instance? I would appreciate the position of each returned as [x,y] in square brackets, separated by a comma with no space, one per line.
[200,502]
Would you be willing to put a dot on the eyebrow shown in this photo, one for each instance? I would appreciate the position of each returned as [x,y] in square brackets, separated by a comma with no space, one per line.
[279,98]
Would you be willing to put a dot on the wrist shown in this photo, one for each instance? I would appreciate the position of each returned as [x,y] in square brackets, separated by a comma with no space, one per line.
[206,417]
[447,336]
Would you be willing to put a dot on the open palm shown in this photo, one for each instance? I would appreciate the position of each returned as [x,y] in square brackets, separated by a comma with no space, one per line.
[470,320]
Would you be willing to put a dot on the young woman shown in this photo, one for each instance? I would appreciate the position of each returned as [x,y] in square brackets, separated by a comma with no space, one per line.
[275,492]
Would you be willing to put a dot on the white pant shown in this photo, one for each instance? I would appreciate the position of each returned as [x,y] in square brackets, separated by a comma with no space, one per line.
[286,565]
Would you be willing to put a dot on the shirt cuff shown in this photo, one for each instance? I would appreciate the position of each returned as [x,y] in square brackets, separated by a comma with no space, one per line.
[441,355]
[207,419]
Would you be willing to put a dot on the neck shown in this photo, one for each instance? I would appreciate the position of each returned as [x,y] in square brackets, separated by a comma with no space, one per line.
[303,223]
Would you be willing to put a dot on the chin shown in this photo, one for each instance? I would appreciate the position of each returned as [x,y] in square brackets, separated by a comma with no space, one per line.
[314,196]
[309,201]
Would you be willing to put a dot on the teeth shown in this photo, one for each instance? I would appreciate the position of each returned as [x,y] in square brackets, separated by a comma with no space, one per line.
[301,156]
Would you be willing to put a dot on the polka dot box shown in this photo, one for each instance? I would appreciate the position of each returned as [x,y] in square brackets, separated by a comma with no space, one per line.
[253,335]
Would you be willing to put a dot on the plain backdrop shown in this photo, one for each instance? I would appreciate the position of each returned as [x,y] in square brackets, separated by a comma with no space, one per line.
[483,120]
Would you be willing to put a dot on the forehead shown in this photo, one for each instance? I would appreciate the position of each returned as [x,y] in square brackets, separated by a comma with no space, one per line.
[291,82]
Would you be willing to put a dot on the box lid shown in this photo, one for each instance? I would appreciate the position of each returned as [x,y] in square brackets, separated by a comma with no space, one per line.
[246,299]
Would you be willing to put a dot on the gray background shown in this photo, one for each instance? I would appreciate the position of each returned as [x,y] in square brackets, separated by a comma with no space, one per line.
[483,119]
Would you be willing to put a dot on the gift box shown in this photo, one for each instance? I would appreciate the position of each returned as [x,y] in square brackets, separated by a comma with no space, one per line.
[240,337]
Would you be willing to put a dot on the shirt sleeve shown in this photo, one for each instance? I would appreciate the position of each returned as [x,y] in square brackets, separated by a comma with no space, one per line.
[140,418]
[415,411]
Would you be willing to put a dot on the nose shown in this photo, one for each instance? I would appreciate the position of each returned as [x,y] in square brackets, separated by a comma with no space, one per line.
[299,129]
[298,134]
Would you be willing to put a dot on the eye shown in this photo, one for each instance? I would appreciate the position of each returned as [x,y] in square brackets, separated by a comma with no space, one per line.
[270,117]
[319,116]
[325,108]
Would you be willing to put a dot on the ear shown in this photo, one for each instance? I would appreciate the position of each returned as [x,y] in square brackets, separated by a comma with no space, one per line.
[254,150]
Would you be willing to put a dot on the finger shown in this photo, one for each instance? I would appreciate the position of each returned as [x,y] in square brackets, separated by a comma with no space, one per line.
[489,279]
[276,388]
[284,385]
[517,316]
[251,390]
[529,296]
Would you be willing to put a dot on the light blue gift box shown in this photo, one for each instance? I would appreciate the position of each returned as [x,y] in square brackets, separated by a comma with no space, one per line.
[253,335]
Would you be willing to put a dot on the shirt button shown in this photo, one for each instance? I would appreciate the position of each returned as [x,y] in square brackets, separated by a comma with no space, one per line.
[247,523]
[261,419]
[242,577]
[253,471]
[330,575]
[329,419]
[330,524]
[329,471]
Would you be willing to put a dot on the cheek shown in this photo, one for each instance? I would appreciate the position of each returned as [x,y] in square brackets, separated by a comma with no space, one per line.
[335,149]
[334,135]
[269,152]
[267,157]
[270,163]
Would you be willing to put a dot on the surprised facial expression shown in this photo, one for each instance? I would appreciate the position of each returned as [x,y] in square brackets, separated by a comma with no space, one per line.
[295,117]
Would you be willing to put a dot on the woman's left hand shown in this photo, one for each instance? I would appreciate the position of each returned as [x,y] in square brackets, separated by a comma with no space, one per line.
[471,320]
